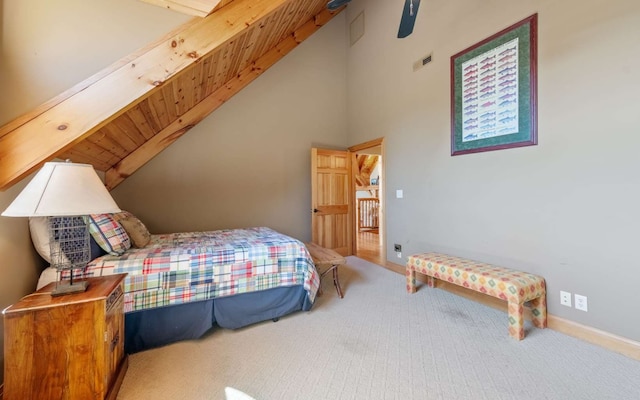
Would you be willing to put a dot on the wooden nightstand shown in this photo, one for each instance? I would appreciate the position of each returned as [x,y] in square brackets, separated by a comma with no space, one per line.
[66,347]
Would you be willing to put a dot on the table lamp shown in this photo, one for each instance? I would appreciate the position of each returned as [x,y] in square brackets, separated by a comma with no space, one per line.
[66,193]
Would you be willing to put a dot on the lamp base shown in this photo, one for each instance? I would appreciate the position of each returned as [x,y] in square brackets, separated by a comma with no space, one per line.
[64,287]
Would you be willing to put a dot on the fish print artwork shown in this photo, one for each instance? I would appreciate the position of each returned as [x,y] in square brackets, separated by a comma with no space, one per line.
[490,87]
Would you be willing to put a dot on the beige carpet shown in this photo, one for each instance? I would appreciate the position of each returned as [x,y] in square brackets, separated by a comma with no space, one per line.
[381,343]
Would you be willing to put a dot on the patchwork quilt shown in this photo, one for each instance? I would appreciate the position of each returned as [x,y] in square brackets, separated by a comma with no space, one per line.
[180,268]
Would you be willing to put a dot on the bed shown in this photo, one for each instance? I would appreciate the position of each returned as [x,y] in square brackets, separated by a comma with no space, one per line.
[180,284]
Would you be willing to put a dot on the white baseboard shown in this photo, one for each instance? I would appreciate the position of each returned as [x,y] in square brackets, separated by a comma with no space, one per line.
[609,341]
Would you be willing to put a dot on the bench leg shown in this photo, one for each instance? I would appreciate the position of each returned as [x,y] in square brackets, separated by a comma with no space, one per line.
[539,312]
[336,282]
[411,279]
[516,320]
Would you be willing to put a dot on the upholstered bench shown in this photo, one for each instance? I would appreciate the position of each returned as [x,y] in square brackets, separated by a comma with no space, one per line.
[329,259]
[513,286]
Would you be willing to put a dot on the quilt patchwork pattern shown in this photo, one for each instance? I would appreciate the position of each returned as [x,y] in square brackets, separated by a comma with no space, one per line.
[192,266]
[515,287]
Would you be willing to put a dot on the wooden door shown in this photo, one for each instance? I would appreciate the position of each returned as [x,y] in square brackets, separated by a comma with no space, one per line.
[331,207]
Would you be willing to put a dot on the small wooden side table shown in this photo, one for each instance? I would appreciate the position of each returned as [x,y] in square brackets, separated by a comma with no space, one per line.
[66,347]
[327,258]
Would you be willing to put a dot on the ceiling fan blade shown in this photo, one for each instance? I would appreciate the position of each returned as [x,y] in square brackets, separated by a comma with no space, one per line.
[408,19]
[335,4]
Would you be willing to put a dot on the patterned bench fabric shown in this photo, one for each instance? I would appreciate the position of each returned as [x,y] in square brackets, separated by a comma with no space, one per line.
[513,286]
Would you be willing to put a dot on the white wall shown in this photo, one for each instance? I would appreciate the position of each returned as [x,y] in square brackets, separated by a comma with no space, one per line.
[566,209]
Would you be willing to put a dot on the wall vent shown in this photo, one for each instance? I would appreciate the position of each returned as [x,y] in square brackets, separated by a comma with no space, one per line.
[421,62]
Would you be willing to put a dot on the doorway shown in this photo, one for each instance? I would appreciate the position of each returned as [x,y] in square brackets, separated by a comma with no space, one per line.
[368,195]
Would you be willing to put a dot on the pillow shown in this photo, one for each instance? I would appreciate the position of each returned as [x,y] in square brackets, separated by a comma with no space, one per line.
[109,234]
[39,228]
[96,250]
[137,231]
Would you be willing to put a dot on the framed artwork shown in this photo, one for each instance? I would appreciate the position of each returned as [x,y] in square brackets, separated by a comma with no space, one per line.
[494,91]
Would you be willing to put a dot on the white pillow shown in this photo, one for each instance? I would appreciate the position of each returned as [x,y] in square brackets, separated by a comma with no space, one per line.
[47,276]
[39,228]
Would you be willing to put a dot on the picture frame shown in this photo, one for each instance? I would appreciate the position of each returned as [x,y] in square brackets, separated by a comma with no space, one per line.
[494,91]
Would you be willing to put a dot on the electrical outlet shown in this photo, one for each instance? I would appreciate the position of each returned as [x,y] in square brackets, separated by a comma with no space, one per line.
[397,247]
[581,302]
[565,298]
[399,254]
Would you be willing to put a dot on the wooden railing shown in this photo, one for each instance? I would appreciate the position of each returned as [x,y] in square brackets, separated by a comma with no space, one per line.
[368,213]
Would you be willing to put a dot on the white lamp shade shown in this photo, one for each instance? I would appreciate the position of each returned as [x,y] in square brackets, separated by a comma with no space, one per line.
[63,189]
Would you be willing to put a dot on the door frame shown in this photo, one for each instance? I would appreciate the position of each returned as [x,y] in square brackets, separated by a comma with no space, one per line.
[381,194]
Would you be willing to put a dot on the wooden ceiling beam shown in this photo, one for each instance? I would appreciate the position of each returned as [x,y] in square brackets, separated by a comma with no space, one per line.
[189,7]
[198,8]
[58,125]
[134,161]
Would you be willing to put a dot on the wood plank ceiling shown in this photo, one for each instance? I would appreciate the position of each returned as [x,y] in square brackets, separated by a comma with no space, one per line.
[366,164]
[120,118]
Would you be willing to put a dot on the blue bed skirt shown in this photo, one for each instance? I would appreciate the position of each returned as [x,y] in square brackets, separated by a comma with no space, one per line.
[160,326]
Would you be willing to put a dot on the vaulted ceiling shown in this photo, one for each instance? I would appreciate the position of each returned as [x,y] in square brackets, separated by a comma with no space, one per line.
[120,118]
[366,165]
